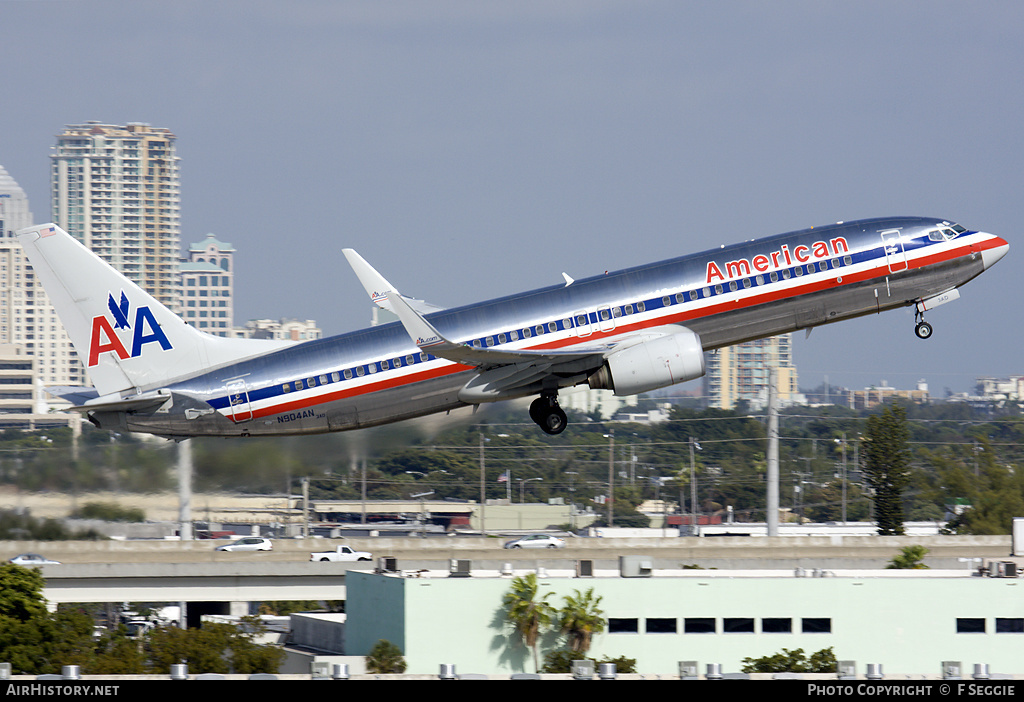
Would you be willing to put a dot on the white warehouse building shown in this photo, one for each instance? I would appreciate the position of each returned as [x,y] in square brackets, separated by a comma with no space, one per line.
[907,621]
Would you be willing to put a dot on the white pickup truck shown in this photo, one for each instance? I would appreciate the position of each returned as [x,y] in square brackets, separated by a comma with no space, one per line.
[342,553]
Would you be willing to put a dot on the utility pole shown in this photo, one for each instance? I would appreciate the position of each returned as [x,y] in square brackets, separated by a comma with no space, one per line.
[305,507]
[483,487]
[772,516]
[185,489]
[693,489]
[844,477]
[611,477]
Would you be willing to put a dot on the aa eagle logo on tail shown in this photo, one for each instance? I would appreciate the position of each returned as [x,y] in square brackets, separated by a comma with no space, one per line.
[105,339]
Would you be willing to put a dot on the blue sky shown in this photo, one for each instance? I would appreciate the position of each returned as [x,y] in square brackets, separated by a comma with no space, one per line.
[472,149]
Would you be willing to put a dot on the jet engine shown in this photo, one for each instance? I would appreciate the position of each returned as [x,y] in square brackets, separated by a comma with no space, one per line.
[651,364]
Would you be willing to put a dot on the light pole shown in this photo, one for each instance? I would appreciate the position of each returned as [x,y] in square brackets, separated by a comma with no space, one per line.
[522,483]
[423,510]
[572,497]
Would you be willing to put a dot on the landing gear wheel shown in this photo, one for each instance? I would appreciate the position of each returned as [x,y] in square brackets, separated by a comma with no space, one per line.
[548,415]
[923,330]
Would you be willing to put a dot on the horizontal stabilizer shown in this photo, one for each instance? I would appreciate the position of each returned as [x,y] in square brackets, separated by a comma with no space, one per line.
[75,394]
[136,403]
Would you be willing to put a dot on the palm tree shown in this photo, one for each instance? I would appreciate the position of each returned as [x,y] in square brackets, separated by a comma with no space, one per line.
[385,657]
[580,619]
[527,613]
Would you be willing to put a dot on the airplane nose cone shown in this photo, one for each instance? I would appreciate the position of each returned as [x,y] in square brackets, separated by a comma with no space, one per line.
[994,250]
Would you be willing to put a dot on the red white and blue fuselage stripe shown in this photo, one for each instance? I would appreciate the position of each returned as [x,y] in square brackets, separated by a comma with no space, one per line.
[716,293]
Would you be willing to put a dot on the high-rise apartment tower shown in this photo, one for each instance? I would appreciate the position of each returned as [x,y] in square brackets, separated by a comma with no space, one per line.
[116,189]
[740,372]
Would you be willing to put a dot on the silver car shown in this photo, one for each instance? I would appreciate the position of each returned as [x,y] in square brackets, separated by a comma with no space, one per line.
[249,543]
[32,559]
[536,541]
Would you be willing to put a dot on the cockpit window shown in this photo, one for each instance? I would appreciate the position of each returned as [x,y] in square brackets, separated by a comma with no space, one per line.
[946,233]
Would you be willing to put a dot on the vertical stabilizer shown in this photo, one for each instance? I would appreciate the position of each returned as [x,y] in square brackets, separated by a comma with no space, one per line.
[127,339]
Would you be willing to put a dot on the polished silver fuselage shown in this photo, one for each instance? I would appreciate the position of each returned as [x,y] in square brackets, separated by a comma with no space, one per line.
[729,295]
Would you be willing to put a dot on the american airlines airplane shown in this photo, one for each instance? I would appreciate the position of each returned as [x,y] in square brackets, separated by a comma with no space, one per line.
[630,331]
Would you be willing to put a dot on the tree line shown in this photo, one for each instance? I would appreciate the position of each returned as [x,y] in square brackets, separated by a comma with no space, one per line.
[960,463]
[36,641]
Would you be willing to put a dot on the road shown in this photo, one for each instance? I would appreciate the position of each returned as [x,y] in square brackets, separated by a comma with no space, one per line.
[670,552]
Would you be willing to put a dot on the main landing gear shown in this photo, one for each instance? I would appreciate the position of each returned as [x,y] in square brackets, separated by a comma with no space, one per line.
[921,328]
[548,415]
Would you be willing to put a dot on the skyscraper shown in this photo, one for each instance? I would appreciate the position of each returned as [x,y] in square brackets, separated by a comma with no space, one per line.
[116,189]
[27,319]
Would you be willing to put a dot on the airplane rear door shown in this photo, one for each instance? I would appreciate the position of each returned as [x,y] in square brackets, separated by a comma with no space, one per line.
[238,399]
[605,318]
[895,254]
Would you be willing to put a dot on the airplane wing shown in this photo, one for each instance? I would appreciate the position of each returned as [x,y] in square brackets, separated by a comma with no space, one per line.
[377,287]
[504,373]
[431,341]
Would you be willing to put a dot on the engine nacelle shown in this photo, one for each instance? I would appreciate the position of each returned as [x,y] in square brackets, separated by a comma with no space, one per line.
[652,364]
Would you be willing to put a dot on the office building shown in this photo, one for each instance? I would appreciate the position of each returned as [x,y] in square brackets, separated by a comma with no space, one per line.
[116,189]
[911,621]
[280,329]
[207,285]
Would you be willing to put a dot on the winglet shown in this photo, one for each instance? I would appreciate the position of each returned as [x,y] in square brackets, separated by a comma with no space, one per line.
[378,287]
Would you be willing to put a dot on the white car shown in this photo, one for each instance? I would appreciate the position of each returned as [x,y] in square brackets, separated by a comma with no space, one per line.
[32,559]
[249,543]
[536,541]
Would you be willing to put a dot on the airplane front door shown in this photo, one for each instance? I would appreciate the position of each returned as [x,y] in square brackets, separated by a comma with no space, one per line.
[895,254]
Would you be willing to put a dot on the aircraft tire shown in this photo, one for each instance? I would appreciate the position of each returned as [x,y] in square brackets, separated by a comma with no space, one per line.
[923,330]
[554,420]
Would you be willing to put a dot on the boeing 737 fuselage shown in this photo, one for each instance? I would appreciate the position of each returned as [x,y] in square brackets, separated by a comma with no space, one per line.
[630,331]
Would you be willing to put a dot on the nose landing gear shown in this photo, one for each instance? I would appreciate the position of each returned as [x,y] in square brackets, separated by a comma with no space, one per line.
[921,328]
[548,415]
